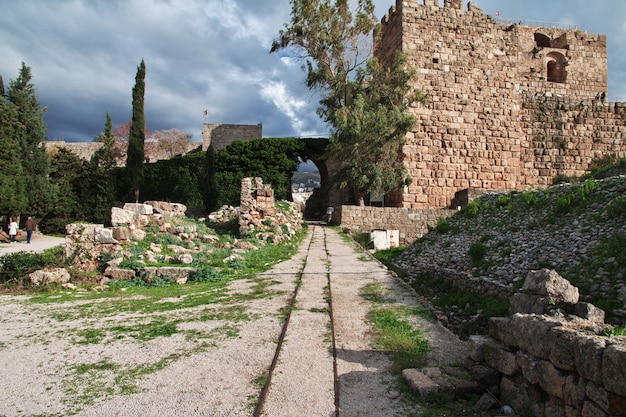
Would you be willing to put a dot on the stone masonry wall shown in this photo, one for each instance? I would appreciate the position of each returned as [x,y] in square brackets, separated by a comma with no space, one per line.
[411,223]
[481,126]
[222,135]
[552,356]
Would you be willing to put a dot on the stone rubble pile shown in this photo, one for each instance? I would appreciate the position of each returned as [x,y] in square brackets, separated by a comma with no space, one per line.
[258,217]
[518,242]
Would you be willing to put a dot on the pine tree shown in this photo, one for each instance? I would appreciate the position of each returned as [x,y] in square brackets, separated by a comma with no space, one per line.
[30,134]
[99,190]
[366,105]
[137,137]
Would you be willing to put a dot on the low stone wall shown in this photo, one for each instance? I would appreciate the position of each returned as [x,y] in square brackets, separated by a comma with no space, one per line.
[412,223]
[552,357]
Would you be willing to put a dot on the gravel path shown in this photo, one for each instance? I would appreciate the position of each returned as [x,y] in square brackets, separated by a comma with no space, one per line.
[216,361]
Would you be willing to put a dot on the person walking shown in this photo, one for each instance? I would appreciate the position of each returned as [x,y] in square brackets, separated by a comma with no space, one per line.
[13,230]
[31,226]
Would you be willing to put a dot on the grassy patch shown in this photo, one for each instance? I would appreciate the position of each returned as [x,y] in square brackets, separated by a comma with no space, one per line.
[394,334]
[392,330]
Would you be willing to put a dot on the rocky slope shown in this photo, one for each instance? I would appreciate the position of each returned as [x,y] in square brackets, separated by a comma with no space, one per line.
[578,230]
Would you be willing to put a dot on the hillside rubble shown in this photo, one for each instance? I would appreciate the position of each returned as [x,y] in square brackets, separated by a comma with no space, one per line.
[578,230]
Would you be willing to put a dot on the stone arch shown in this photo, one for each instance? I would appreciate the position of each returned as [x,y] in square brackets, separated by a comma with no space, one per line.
[315,151]
[555,67]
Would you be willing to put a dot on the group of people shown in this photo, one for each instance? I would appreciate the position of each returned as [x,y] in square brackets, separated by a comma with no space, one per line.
[30,225]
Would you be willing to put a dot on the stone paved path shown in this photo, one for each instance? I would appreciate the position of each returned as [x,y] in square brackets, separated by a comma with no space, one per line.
[353,380]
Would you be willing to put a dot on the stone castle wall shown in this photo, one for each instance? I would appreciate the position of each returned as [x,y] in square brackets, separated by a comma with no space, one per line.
[222,135]
[509,106]
[411,223]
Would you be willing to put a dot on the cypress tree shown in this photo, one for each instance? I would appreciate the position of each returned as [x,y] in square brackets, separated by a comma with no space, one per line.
[211,191]
[136,140]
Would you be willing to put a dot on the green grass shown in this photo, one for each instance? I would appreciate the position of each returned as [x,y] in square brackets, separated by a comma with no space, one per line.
[394,334]
[392,331]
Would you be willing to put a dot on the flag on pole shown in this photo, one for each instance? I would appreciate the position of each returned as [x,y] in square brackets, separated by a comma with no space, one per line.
[206,112]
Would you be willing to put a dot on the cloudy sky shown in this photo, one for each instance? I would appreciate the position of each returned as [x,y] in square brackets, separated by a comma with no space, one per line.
[206,54]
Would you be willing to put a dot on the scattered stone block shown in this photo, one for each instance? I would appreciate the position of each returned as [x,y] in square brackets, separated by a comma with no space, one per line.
[49,276]
[421,385]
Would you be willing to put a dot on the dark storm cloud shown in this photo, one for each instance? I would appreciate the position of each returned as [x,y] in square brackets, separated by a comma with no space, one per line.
[204,54]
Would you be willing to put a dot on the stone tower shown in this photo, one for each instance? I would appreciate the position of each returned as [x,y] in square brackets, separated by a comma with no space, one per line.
[510,105]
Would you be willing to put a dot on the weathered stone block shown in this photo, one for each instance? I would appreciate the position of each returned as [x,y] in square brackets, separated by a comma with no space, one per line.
[103,235]
[588,353]
[121,217]
[521,395]
[500,330]
[611,403]
[590,409]
[119,274]
[574,391]
[588,311]
[528,304]
[137,234]
[614,368]
[485,375]
[544,374]
[562,343]
[475,347]
[486,403]
[421,385]
[121,233]
[139,208]
[498,357]
[549,283]
[49,276]
[532,333]
[175,272]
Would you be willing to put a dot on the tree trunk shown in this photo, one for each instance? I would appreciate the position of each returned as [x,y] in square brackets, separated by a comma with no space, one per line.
[359,197]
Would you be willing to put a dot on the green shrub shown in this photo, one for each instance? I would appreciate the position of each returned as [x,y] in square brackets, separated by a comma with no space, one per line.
[586,188]
[530,198]
[503,200]
[617,206]
[615,331]
[14,266]
[471,210]
[205,274]
[442,225]
[477,252]
[563,203]
[54,257]
[53,225]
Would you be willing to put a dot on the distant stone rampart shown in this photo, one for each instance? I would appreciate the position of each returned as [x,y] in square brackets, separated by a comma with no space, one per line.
[153,152]
[222,135]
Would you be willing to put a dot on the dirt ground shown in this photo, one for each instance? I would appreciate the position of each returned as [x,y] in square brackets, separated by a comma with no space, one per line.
[70,358]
